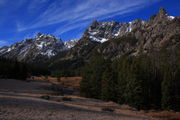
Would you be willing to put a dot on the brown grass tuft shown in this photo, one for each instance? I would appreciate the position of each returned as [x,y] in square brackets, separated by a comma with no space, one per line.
[108,109]
[165,115]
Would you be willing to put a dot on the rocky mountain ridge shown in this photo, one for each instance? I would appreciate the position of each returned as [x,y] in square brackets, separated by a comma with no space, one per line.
[42,47]
[103,31]
[111,39]
[114,39]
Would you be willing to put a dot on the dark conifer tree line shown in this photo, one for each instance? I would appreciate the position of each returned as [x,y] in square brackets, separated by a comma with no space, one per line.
[12,69]
[146,81]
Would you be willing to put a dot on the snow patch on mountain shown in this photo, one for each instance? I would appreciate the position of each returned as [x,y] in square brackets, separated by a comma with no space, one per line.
[70,43]
[41,47]
[129,28]
[103,31]
[171,17]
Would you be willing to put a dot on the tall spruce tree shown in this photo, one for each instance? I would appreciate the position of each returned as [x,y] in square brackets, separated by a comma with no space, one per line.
[109,84]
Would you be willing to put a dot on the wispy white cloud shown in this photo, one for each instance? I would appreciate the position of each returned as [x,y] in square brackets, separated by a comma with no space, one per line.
[68,27]
[35,5]
[62,11]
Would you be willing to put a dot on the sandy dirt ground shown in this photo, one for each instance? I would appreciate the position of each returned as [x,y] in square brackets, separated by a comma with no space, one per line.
[21,100]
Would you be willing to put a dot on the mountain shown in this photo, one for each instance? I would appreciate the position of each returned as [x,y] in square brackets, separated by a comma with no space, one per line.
[161,31]
[110,39]
[103,31]
[70,43]
[114,39]
[42,47]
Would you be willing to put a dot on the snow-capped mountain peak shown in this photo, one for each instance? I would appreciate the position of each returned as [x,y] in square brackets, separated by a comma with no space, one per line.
[103,31]
[41,47]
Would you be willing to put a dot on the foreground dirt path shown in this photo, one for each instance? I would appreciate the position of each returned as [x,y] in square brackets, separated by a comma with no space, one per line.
[25,103]
[12,108]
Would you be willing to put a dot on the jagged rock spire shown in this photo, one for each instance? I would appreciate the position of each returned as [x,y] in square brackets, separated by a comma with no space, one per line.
[94,22]
[162,12]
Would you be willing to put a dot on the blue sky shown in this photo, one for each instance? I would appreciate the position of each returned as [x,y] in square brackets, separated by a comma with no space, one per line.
[67,19]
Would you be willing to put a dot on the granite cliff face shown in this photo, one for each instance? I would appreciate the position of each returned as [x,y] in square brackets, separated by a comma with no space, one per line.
[159,31]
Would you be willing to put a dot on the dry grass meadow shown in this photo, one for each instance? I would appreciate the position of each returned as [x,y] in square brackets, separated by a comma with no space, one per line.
[31,100]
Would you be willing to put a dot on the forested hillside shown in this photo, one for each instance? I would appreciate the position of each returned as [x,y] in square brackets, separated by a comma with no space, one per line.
[13,69]
[145,81]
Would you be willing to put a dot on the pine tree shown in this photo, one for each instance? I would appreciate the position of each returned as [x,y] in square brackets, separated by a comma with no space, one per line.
[122,74]
[109,84]
[168,98]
